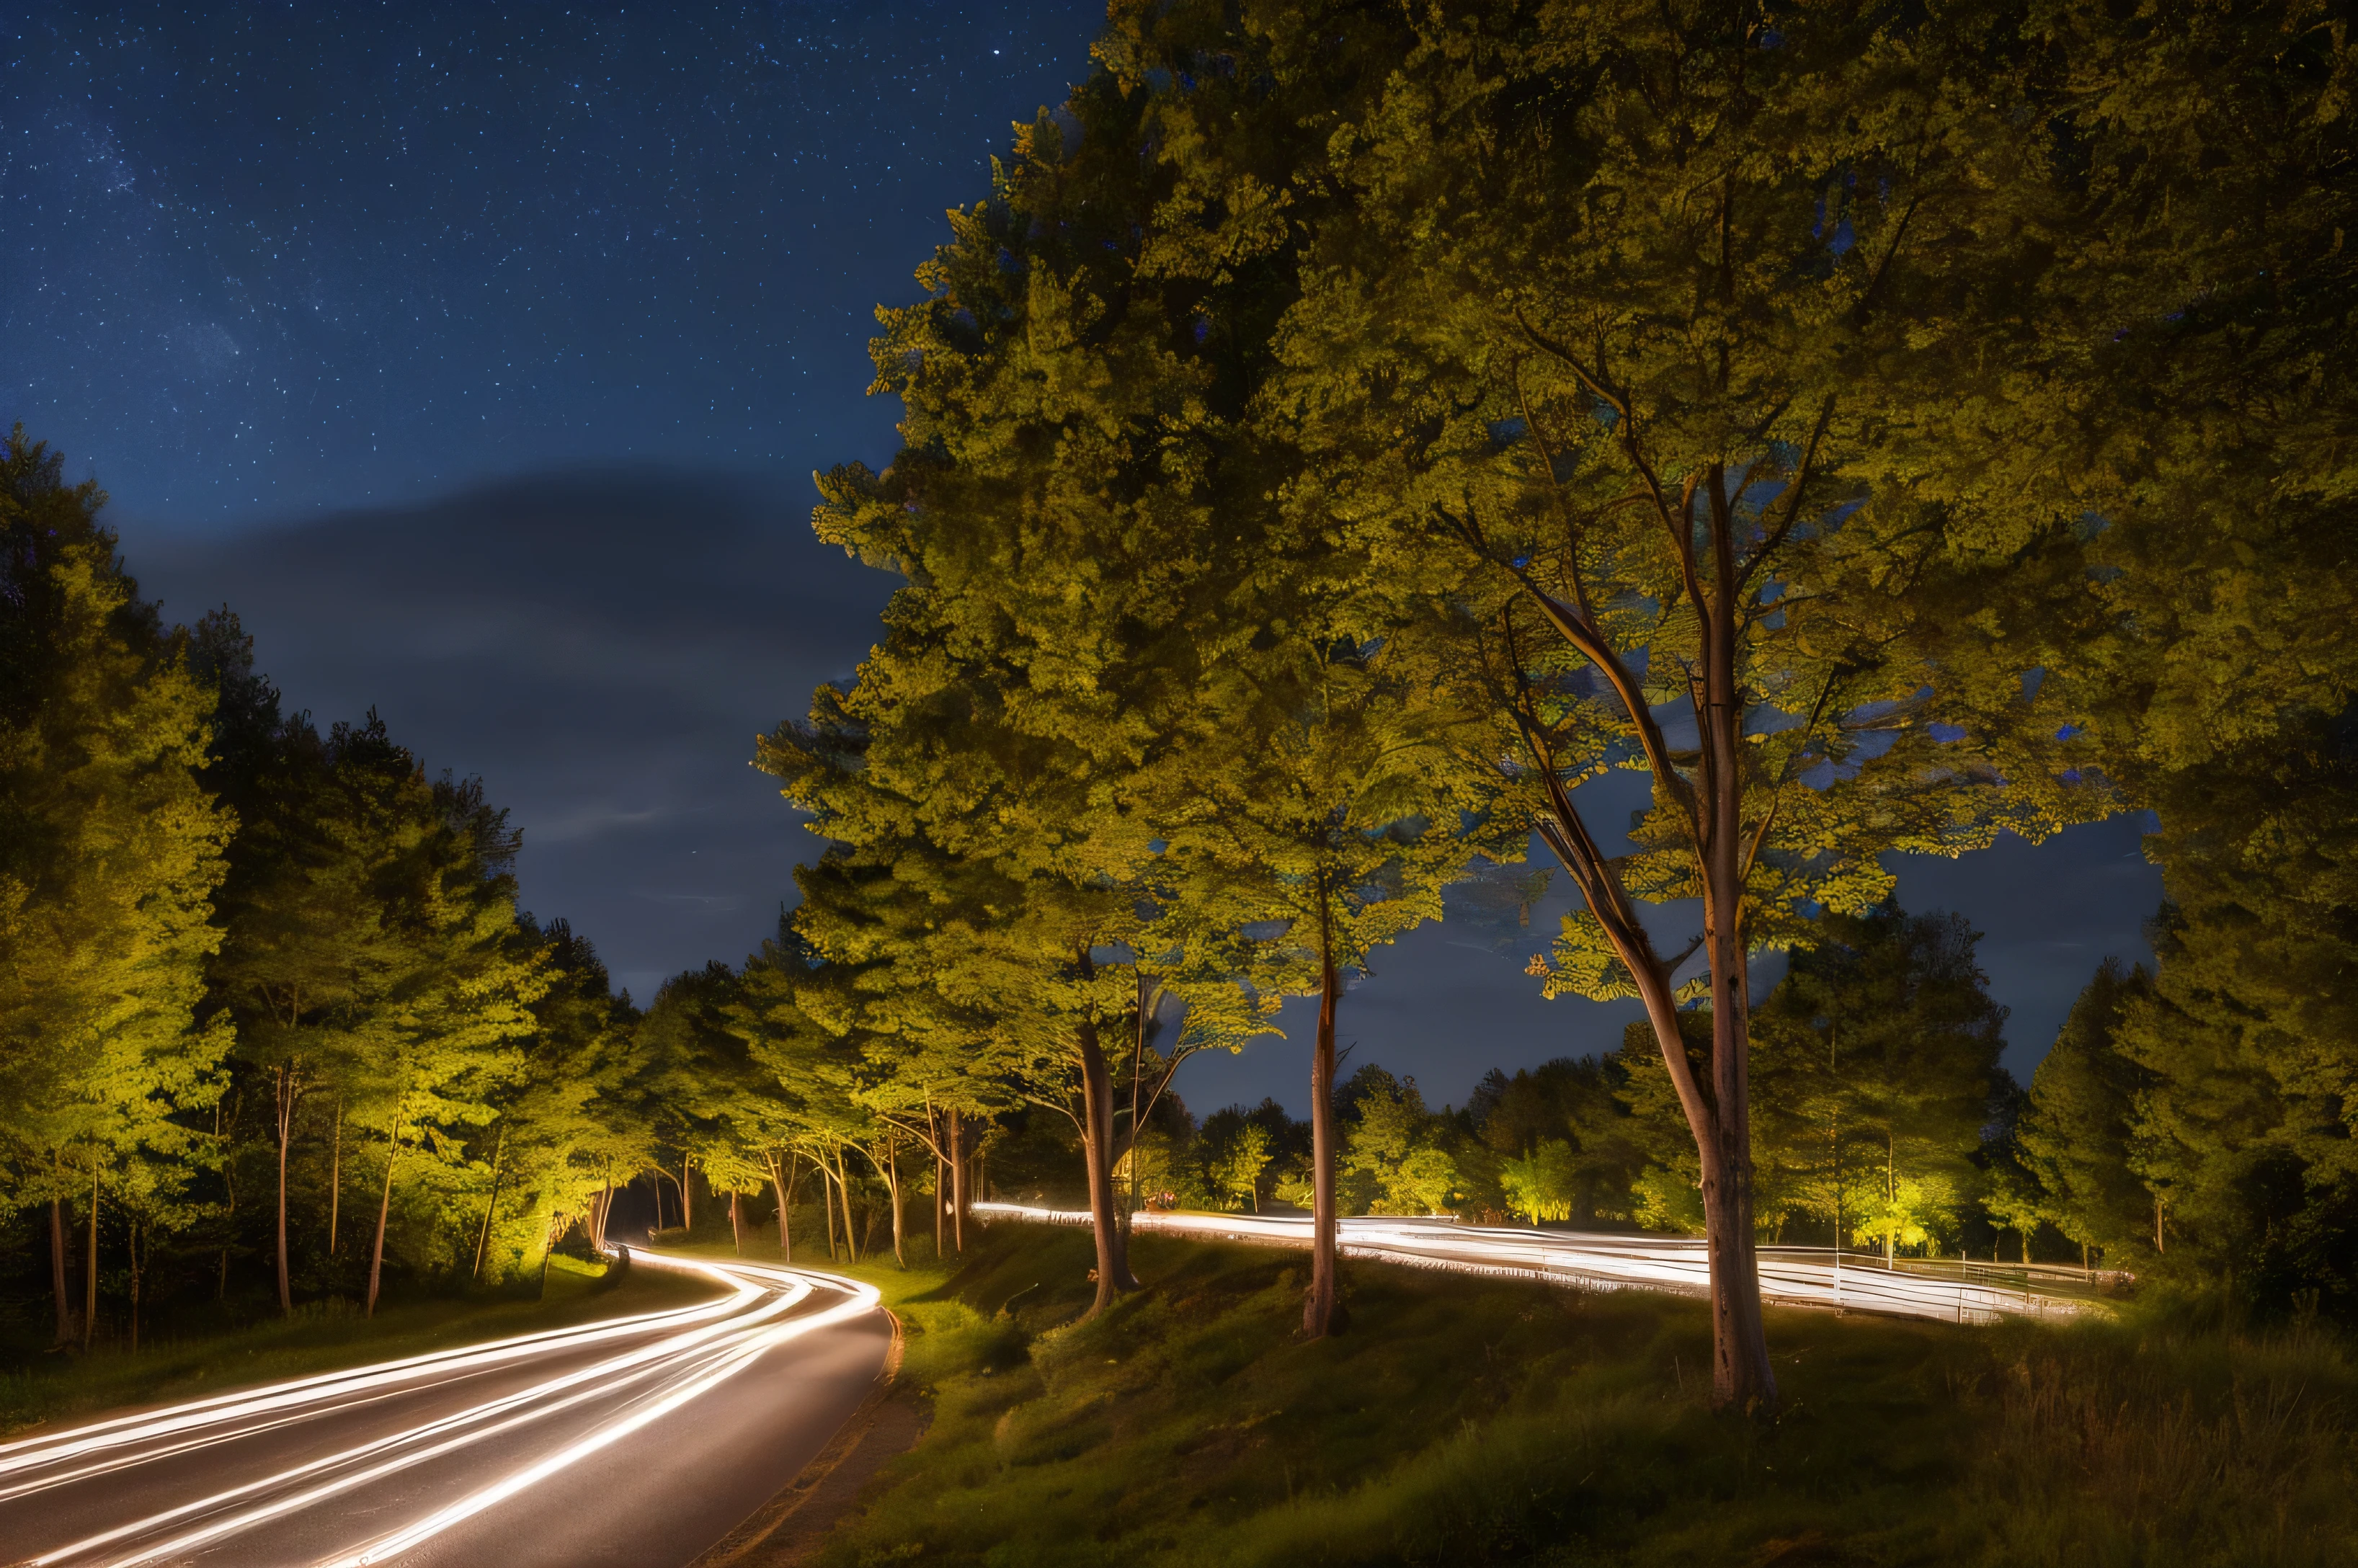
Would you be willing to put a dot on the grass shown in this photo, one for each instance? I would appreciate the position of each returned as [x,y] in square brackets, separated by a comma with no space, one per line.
[318,1339]
[1488,1421]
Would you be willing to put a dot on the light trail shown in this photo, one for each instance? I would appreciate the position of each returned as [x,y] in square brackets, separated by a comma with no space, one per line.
[681,1356]
[34,1452]
[1793,1276]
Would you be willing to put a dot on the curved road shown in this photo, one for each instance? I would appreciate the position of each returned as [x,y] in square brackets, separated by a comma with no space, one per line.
[634,1441]
[1943,1291]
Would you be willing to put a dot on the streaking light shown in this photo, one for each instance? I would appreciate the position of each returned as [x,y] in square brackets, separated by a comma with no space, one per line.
[687,1352]
[1794,1276]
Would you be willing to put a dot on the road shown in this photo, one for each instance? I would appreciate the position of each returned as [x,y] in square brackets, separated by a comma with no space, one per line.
[1947,1290]
[634,1441]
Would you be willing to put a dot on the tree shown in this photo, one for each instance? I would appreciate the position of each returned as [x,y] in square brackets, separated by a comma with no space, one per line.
[2185,362]
[2078,1128]
[1237,1163]
[309,935]
[571,1119]
[1327,800]
[1632,347]
[446,1008]
[1543,1184]
[110,851]
[1392,1153]
[1878,1073]
[1577,1104]
[1060,409]
[2240,1050]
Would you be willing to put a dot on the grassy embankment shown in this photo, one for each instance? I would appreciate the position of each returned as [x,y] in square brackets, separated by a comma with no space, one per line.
[62,1387]
[1472,1421]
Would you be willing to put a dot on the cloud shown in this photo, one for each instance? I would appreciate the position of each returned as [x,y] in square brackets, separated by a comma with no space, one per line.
[601,645]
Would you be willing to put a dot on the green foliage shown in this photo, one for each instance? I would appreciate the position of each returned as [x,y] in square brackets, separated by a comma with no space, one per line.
[1392,1159]
[1875,1076]
[2077,1131]
[232,947]
[1579,1104]
[110,853]
[1543,1184]
[1235,1168]
[2241,1050]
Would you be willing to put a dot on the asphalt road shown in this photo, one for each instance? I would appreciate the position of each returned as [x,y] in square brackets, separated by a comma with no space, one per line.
[1943,1289]
[634,1441]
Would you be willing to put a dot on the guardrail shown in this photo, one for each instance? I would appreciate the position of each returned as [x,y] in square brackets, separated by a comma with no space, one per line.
[1791,1276]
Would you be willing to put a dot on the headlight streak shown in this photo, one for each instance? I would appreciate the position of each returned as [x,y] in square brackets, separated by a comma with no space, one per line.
[123,1431]
[680,1365]
[620,1370]
[1795,1276]
[864,1300]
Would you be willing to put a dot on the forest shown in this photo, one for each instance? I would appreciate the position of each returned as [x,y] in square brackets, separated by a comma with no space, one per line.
[1337,435]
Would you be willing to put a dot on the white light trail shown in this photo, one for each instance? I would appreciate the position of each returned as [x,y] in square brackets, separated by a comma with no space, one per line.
[864,1300]
[33,1453]
[1795,1276]
[693,1350]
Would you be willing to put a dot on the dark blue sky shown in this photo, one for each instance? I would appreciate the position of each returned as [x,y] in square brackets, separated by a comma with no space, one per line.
[479,356]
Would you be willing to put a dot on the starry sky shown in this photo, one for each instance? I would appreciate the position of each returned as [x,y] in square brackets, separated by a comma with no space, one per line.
[479,355]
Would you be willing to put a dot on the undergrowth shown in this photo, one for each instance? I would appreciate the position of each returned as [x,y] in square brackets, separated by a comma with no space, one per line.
[1465,1421]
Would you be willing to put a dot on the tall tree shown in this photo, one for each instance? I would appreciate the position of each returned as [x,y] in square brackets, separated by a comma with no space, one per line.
[1634,343]
[446,1009]
[2078,1128]
[110,852]
[1064,392]
[1878,1056]
[1329,795]
[309,938]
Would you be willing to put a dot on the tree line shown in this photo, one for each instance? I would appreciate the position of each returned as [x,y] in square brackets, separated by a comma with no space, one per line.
[274,1030]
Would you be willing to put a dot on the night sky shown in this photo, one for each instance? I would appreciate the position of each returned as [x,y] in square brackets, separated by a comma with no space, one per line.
[479,356]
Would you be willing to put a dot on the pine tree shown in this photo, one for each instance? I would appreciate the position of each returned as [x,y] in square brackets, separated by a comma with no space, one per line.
[2078,1128]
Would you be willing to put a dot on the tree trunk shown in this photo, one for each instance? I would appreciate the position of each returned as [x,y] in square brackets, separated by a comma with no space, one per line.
[785,1207]
[1890,1196]
[1710,803]
[336,1177]
[1322,1307]
[383,1213]
[1741,1376]
[135,1287]
[737,1221]
[687,1199]
[941,1197]
[288,1087]
[957,1182]
[1096,1142]
[89,1285]
[827,1203]
[58,1267]
[492,1204]
[843,1191]
[892,1173]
